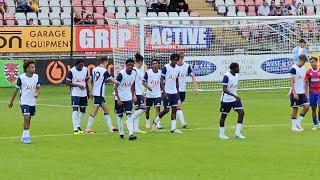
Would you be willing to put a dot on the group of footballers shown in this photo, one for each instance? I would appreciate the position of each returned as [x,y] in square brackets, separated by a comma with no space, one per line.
[166,85]
[304,92]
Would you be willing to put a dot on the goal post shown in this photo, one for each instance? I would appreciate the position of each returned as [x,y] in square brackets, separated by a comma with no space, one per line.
[261,45]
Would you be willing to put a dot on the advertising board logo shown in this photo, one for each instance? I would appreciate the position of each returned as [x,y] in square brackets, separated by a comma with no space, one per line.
[11,71]
[201,67]
[9,39]
[56,72]
[277,65]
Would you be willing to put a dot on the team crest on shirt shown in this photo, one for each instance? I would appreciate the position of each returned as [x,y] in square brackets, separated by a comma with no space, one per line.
[11,71]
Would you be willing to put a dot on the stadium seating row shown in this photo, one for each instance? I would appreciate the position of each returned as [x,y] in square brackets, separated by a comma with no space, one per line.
[65,18]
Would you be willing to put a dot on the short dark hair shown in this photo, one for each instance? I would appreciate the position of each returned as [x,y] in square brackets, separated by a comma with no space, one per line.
[129,61]
[153,60]
[234,66]
[303,58]
[302,41]
[138,57]
[104,59]
[173,56]
[181,55]
[79,61]
[27,63]
[314,58]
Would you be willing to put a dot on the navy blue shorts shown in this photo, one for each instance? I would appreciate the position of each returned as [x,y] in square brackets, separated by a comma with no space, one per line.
[182,96]
[227,106]
[140,101]
[314,99]
[28,110]
[301,101]
[172,100]
[125,107]
[99,101]
[156,102]
[77,101]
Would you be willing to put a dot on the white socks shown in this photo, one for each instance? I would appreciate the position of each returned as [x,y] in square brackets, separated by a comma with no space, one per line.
[238,128]
[222,129]
[173,125]
[80,118]
[90,122]
[120,125]
[180,116]
[75,120]
[25,133]
[130,125]
[294,123]
[135,118]
[108,120]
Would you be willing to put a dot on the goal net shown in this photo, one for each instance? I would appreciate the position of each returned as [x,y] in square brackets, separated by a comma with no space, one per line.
[261,45]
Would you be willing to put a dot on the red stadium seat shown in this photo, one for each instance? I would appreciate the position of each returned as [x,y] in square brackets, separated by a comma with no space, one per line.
[77,2]
[249,3]
[258,2]
[100,9]
[241,8]
[251,11]
[10,19]
[86,2]
[99,19]
[88,8]
[239,2]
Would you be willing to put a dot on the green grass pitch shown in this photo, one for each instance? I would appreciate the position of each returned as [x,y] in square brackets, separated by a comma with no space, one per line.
[271,150]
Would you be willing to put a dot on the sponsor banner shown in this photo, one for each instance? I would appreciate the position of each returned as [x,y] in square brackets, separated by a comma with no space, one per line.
[106,38]
[35,39]
[10,71]
[54,72]
[178,38]
[212,68]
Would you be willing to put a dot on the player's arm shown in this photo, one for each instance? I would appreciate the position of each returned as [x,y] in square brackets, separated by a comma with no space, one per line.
[293,81]
[37,91]
[89,82]
[145,80]
[225,81]
[15,92]
[162,79]
[69,81]
[177,86]
[133,92]
[118,80]
[194,80]
[306,84]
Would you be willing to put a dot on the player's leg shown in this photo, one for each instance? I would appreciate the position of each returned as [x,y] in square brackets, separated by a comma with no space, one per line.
[27,114]
[173,101]
[224,109]
[107,118]
[119,109]
[240,111]
[82,112]
[140,108]
[92,118]
[294,112]
[313,104]
[75,101]
[156,123]
[130,124]
[148,106]
[180,116]
[303,101]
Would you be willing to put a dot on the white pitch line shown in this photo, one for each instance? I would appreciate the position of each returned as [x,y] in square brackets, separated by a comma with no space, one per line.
[193,129]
